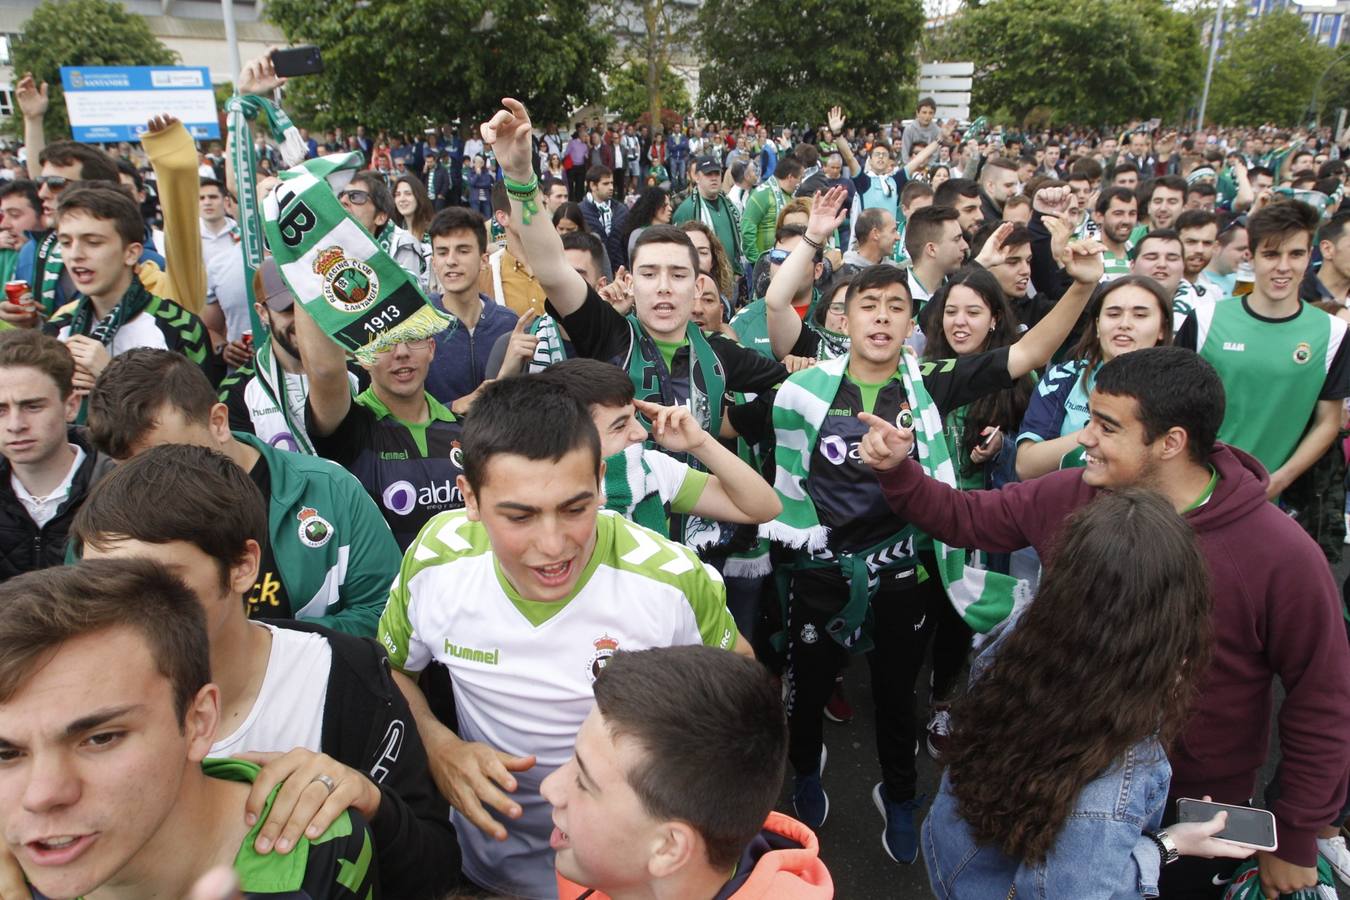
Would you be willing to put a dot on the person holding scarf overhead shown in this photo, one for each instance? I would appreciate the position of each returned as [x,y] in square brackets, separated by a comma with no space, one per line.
[670,361]
[857,583]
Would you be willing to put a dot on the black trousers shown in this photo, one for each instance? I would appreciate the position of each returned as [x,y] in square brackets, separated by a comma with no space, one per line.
[902,629]
[951,645]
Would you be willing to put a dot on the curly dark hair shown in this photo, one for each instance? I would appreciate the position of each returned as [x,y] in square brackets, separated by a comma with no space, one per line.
[644,211]
[1004,408]
[1107,655]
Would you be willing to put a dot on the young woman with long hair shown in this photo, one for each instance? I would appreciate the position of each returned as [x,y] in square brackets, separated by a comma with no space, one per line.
[1057,771]
[1126,314]
[414,207]
[969,315]
[712,258]
[653,207]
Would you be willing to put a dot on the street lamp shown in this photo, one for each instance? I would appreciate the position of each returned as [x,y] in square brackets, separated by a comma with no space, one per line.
[1317,89]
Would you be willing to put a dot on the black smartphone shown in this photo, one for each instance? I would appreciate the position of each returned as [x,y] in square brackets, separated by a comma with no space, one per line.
[293,61]
[988,438]
[1246,825]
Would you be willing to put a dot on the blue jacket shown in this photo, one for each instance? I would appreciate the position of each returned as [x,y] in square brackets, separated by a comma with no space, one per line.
[460,363]
[1100,852]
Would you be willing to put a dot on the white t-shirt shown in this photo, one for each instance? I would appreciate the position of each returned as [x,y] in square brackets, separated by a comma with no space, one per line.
[43,509]
[522,677]
[288,711]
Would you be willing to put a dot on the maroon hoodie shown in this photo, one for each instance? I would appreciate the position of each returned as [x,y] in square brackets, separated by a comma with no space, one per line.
[1276,613]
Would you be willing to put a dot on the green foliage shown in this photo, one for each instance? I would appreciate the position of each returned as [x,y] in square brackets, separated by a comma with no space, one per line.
[627,94]
[794,63]
[80,33]
[405,64]
[1091,61]
[1266,71]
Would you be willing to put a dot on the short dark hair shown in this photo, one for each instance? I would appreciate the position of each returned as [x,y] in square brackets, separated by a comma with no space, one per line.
[1157,234]
[663,234]
[591,382]
[947,192]
[1120,168]
[105,202]
[1203,189]
[713,737]
[1171,182]
[176,492]
[380,195]
[1331,168]
[998,162]
[913,190]
[807,154]
[40,611]
[526,417]
[215,183]
[926,226]
[1331,231]
[1173,387]
[928,102]
[869,221]
[1085,168]
[1279,221]
[133,390]
[24,188]
[35,350]
[1195,218]
[791,230]
[788,167]
[459,218]
[878,277]
[95,165]
[584,240]
[1116,193]
[546,184]
[597,172]
[1018,237]
[1254,171]
[124,167]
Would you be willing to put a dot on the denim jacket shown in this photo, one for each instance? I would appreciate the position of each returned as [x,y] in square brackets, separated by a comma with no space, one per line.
[1099,853]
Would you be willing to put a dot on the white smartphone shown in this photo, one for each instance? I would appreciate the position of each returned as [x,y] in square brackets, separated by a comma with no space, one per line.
[1246,825]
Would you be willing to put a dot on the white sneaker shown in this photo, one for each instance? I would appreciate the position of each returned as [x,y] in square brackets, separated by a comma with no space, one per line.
[1333,849]
[1347,528]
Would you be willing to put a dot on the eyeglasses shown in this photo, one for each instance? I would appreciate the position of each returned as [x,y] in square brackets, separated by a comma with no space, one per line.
[419,344]
[836,309]
[356,198]
[54,182]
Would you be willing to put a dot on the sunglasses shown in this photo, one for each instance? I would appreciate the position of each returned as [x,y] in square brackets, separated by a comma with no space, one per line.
[357,198]
[55,182]
[778,257]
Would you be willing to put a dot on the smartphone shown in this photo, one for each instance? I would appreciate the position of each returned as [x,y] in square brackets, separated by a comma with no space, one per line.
[988,438]
[1246,825]
[302,60]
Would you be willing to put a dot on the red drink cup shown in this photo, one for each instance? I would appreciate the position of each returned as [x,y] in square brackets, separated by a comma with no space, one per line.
[14,290]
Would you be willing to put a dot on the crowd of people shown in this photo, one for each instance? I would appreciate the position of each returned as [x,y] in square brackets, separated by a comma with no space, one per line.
[495,513]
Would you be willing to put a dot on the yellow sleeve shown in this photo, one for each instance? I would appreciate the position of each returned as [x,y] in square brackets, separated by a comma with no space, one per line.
[174,158]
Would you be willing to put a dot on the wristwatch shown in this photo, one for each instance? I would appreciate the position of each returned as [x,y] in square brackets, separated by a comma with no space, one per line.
[1167,847]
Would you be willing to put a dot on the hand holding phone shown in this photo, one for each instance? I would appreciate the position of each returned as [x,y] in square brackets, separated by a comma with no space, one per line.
[1246,826]
[303,60]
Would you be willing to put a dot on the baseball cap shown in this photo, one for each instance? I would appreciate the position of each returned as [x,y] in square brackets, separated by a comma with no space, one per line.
[276,294]
[708,164]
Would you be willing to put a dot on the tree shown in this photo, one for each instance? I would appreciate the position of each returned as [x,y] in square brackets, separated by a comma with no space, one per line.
[653,33]
[858,54]
[1266,70]
[80,33]
[1086,60]
[629,97]
[405,64]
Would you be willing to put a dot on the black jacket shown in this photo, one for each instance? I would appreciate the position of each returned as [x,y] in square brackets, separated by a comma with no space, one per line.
[25,547]
[367,725]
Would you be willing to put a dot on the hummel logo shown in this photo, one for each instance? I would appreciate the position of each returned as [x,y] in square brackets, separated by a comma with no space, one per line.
[1232,345]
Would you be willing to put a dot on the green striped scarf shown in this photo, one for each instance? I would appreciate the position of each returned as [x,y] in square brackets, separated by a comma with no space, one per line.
[47,272]
[982,598]
[628,489]
[356,293]
[550,350]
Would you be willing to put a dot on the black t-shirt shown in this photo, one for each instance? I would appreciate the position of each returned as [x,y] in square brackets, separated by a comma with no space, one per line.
[599,332]
[409,470]
[845,490]
[268,598]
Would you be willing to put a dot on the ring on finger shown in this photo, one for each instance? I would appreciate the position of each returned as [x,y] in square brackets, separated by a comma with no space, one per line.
[326,781]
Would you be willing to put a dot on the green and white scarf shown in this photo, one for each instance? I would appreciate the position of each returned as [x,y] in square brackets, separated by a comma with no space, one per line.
[356,293]
[627,489]
[47,272]
[277,128]
[982,598]
[550,349]
[707,383]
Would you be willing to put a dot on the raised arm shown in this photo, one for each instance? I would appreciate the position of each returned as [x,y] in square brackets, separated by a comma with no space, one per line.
[509,133]
[1082,260]
[32,100]
[785,326]
[927,152]
[330,393]
[841,143]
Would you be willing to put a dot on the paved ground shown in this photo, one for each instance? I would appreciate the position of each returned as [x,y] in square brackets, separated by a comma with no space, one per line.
[851,837]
